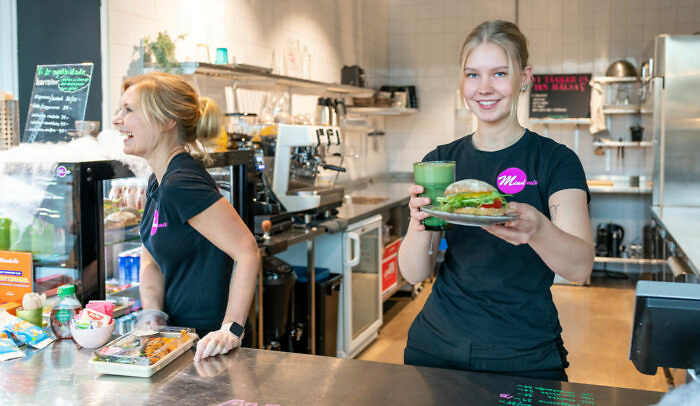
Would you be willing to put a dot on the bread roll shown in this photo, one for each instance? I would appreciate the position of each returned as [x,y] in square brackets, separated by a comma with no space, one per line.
[468,186]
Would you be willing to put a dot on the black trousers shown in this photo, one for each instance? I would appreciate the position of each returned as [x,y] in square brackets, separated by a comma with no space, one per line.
[414,356]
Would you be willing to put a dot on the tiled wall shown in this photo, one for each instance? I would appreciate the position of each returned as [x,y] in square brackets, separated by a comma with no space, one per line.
[572,36]
[336,33]
[415,42]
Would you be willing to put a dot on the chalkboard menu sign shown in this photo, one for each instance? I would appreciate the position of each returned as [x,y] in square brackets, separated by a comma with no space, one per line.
[58,99]
[560,96]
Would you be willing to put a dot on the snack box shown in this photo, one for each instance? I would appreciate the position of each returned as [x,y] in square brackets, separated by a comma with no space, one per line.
[143,353]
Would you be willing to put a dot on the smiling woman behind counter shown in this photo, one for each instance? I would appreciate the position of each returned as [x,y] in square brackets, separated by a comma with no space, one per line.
[190,232]
[491,308]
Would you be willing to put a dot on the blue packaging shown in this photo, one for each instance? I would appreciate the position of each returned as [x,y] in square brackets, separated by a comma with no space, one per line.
[136,266]
[124,273]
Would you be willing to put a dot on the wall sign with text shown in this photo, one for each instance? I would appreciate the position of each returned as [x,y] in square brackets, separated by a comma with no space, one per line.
[59,98]
[560,96]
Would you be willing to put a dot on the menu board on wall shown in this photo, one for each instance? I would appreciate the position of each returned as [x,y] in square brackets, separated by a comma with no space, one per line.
[560,96]
[59,98]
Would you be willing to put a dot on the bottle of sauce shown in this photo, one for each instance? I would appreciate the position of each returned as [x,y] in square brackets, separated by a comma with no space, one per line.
[67,307]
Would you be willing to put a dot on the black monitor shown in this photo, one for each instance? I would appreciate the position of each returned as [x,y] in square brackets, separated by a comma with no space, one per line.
[666,330]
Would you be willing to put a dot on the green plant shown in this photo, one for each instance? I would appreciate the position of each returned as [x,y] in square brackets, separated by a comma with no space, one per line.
[163,49]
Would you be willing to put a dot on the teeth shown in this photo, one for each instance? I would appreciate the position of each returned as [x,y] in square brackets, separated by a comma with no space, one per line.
[487,103]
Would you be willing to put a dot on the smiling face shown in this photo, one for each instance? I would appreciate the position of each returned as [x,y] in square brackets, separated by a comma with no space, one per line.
[142,137]
[487,84]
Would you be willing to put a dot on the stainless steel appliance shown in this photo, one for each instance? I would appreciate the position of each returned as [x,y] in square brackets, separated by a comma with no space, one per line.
[609,240]
[299,155]
[671,76]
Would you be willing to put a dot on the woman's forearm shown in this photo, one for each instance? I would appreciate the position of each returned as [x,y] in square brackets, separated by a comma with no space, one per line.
[567,255]
[242,287]
[151,286]
[415,262]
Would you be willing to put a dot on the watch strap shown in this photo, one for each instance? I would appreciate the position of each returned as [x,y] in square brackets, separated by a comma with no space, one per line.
[235,328]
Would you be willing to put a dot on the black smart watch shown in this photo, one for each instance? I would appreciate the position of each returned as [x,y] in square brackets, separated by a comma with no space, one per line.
[235,328]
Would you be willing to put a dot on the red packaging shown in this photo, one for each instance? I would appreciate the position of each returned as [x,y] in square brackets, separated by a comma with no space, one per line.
[102,306]
[390,265]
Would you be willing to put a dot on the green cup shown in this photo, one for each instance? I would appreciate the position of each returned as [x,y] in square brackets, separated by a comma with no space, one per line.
[434,176]
[5,226]
[32,316]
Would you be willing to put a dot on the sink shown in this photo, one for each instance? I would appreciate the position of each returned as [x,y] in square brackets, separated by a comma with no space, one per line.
[367,200]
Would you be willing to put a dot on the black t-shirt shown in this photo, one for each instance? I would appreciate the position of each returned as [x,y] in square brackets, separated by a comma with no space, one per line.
[197,273]
[488,291]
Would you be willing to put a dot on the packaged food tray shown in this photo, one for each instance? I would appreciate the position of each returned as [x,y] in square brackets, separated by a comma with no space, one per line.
[136,354]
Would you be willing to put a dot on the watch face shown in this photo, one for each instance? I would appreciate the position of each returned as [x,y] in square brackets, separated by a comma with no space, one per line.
[236,329]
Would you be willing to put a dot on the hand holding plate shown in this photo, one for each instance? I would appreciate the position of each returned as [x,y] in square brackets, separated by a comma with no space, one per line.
[520,229]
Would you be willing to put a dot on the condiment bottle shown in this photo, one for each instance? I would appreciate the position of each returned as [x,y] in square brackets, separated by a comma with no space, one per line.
[67,307]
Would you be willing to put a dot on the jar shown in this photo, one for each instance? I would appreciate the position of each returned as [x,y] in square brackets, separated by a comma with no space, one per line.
[67,308]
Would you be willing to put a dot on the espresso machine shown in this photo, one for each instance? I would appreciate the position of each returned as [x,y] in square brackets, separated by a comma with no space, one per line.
[299,155]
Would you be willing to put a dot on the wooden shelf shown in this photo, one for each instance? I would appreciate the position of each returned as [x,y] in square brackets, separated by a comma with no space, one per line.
[251,77]
[382,111]
[634,261]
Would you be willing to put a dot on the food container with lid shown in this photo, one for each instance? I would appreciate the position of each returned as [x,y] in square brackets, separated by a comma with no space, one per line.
[141,352]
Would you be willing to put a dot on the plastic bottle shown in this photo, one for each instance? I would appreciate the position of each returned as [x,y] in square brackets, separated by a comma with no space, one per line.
[66,308]
[306,63]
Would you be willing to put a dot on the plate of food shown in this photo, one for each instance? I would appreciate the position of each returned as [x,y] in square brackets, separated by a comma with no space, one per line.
[471,202]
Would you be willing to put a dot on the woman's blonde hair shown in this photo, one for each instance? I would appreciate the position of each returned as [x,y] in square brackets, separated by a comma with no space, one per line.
[165,96]
[507,36]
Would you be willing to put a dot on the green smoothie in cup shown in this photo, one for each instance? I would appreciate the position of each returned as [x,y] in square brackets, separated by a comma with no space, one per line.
[434,176]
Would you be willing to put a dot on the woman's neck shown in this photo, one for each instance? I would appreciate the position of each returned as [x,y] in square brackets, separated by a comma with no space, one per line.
[160,160]
[497,136]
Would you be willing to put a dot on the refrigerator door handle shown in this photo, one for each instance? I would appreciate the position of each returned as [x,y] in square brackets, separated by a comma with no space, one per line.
[354,239]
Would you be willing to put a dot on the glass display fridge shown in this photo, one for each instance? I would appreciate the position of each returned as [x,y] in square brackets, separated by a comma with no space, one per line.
[80,221]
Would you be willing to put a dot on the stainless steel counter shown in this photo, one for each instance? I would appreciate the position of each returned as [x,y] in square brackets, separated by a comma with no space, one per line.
[365,199]
[682,225]
[60,374]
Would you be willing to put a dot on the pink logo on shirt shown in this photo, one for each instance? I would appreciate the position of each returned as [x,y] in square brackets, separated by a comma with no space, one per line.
[155,225]
[513,180]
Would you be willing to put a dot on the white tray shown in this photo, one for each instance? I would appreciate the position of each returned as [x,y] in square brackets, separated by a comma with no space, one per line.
[143,371]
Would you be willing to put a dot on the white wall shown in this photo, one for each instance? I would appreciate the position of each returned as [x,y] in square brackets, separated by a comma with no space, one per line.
[572,36]
[336,33]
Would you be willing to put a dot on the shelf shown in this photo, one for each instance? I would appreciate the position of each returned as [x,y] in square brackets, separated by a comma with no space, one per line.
[628,144]
[382,111]
[615,79]
[560,120]
[633,261]
[620,184]
[620,190]
[260,79]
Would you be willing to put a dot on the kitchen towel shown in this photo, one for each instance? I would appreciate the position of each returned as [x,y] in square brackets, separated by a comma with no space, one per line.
[597,101]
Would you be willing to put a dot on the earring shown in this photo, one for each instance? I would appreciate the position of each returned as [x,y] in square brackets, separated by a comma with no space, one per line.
[524,88]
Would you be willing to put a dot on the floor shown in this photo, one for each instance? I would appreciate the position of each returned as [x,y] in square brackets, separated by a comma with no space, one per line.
[596,320]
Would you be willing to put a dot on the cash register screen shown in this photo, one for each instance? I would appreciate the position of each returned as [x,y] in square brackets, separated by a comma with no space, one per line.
[666,330]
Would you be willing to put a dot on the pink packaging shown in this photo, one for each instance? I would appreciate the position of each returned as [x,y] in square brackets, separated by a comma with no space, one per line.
[102,306]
